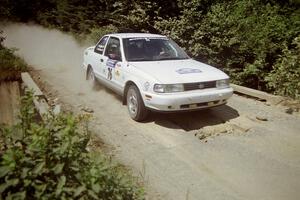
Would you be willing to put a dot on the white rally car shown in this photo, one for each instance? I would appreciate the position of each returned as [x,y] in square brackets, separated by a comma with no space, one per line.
[152,72]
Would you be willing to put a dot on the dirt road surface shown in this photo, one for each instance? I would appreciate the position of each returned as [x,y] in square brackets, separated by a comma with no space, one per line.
[229,152]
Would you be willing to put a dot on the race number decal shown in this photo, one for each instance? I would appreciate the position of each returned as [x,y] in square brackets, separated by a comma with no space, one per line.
[110,64]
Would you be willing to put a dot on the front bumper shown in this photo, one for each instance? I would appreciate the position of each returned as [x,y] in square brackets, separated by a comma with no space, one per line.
[191,100]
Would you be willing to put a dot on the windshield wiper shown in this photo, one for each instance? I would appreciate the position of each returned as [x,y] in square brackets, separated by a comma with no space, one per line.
[139,59]
[172,58]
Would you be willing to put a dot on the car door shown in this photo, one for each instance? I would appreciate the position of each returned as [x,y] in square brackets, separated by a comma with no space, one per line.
[98,57]
[113,61]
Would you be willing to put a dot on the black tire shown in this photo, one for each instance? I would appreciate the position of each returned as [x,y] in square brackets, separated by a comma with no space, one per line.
[91,78]
[135,104]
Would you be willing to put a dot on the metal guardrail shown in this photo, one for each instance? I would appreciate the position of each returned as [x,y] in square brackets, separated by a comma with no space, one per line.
[39,98]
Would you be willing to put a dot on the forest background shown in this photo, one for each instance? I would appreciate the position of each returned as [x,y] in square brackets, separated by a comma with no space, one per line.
[257,42]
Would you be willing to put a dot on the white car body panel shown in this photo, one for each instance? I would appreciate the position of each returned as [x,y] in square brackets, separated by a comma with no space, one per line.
[148,73]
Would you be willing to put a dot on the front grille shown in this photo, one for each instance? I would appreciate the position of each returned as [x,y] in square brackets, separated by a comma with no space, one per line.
[199,105]
[199,85]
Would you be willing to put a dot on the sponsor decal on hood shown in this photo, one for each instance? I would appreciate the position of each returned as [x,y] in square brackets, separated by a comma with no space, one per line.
[188,71]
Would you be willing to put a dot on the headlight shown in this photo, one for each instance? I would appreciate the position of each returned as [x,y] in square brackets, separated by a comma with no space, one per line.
[223,83]
[168,88]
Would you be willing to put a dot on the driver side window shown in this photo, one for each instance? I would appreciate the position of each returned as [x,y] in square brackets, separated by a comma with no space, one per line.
[113,50]
[100,46]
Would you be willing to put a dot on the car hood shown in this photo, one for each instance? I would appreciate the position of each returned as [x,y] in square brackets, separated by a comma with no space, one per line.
[179,71]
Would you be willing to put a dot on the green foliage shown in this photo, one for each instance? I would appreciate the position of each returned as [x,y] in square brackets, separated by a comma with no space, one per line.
[285,76]
[139,17]
[7,58]
[10,65]
[48,160]
[4,9]
[97,33]
[2,38]
[244,38]
[8,61]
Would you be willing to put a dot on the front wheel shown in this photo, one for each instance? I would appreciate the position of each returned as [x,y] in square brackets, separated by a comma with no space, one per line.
[135,104]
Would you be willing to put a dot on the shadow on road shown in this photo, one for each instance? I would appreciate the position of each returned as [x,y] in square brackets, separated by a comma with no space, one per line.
[194,120]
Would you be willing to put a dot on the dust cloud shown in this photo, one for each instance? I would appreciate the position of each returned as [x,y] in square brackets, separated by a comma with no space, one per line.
[53,53]
[41,47]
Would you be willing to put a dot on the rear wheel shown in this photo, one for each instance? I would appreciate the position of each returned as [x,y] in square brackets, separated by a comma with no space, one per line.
[91,78]
[135,104]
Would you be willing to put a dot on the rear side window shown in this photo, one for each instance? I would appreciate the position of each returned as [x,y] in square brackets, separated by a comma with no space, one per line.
[101,45]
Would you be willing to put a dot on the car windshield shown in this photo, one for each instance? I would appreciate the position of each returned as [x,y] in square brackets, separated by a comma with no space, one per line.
[152,49]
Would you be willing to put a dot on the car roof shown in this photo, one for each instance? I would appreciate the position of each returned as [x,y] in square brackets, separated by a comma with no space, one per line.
[135,35]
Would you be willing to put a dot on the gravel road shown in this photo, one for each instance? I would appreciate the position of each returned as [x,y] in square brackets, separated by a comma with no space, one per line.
[244,150]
